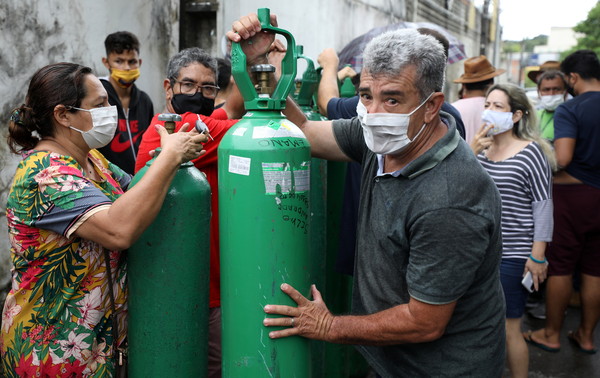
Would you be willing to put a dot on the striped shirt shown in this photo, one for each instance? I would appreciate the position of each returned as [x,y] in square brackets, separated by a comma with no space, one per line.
[525,185]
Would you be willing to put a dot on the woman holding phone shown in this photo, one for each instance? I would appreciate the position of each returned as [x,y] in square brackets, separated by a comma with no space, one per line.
[510,148]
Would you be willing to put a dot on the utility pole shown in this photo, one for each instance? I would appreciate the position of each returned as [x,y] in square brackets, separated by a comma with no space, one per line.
[485,26]
[521,65]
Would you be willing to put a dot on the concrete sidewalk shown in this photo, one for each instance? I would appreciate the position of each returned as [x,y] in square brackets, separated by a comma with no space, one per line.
[568,362]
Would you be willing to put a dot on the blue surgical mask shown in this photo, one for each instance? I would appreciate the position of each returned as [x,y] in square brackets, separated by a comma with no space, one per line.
[104,124]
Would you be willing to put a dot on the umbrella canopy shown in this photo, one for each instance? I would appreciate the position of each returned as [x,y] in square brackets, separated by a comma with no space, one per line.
[352,52]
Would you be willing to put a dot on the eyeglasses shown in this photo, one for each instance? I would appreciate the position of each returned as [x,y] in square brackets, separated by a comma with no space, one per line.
[190,88]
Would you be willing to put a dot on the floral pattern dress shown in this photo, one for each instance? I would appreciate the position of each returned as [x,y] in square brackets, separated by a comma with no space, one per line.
[57,319]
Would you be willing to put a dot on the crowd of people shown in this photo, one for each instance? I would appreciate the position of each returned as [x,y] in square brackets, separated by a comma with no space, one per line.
[461,210]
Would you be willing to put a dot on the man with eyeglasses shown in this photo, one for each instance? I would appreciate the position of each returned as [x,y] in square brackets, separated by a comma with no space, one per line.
[190,90]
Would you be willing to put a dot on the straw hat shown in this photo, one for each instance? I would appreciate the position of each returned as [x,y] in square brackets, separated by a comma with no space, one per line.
[550,65]
[478,69]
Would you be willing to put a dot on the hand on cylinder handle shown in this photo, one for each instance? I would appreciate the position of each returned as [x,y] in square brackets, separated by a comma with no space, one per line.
[277,52]
[346,72]
[181,145]
[311,319]
[328,58]
[255,44]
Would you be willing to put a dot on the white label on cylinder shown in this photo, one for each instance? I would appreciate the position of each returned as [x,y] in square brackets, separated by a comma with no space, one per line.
[262,132]
[292,129]
[285,129]
[282,178]
[240,131]
[239,165]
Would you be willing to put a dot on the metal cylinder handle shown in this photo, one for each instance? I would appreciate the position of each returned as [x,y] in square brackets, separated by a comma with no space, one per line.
[310,79]
[169,119]
[252,100]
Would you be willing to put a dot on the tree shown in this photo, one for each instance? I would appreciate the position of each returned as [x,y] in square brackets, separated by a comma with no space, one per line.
[526,45]
[590,28]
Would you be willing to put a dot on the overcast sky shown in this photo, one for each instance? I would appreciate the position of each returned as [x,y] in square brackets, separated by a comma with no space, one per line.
[529,18]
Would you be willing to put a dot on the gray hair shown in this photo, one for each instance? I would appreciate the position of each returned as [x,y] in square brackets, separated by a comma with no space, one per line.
[527,128]
[389,53]
[549,75]
[186,57]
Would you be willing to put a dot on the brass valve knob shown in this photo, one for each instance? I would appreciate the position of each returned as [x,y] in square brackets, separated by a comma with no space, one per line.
[169,119]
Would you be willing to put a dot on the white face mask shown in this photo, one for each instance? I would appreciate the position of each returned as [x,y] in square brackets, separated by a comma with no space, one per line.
[551,102]
[502,121]
[386,133]
[104,124]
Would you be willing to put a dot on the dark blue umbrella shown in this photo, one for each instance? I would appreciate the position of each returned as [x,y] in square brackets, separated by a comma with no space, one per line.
[352,52]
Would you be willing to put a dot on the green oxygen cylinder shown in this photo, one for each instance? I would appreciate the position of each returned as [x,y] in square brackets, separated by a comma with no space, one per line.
[264,204]
[168,277]
[347,88]
[336,358]
[318,196]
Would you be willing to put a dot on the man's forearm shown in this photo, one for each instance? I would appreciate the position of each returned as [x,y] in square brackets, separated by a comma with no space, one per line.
[294,113]
[328,88]
[397,325]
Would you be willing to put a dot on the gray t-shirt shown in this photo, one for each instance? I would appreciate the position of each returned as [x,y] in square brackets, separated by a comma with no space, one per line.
[432,232]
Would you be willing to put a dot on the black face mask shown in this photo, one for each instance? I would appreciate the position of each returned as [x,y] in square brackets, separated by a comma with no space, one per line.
[196,104]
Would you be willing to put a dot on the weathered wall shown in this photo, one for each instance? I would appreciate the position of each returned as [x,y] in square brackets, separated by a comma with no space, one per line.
[318,24]
[34,33]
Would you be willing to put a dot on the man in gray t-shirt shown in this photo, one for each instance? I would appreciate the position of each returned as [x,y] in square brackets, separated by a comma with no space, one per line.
[430,232]
[427,297]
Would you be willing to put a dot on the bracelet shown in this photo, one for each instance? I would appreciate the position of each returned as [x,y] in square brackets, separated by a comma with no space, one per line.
[536,260]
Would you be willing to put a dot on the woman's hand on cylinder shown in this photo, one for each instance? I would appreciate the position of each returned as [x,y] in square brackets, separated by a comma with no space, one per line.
[481,140]
[311,319]
[184,145]
[539,272]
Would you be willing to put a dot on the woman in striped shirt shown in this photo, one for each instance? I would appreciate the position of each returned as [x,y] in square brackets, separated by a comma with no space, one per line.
[510,148]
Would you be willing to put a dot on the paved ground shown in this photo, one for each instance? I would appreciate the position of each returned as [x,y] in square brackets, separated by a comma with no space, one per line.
[568,362]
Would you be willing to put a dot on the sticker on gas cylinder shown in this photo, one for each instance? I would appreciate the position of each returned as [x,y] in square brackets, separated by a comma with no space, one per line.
[240,131]
[239,165]
[293,130]
[281,178]
[273,129]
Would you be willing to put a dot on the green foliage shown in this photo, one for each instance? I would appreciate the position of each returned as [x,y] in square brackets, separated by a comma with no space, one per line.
[590,28]
[511,46]
[526,45]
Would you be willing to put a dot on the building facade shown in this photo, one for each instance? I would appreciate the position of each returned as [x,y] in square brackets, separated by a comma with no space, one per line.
[36,33]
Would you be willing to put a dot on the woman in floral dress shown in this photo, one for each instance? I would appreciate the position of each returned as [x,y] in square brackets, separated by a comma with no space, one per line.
[67,205]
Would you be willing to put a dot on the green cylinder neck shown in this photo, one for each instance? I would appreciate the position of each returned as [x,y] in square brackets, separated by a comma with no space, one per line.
[310,81]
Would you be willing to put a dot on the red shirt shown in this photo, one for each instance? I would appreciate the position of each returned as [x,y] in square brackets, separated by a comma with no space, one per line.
[218,124]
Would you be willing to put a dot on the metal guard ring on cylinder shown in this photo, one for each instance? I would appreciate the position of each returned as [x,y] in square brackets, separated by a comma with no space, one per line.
[262,68]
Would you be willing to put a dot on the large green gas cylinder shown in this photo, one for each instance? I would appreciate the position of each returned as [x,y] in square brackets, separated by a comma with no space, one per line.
[264,197]
[318,176]
[168,275]
[318,197]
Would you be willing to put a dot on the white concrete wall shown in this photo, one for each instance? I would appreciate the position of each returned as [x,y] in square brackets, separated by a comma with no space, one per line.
[318,24]
[34,33]
[559,40]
